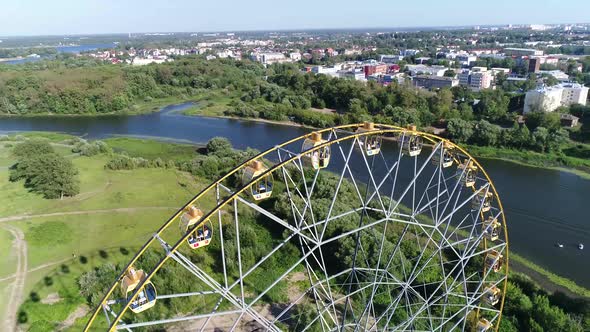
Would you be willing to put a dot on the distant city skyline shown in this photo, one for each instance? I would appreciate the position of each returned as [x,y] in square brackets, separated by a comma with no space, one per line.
[60,17]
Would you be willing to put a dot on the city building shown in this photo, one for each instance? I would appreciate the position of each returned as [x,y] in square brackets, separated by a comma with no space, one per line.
[422,60]
[295,56]
[534,65]
[558,74]
[269,57]
[514,51]
[475,79]
[434,82]
[496,70]
[568,120]
[547,99]
[372,69]
[426,70]
[465,60]
[390,58]
[355,74]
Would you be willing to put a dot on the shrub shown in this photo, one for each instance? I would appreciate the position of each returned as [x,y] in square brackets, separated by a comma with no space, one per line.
[32,148]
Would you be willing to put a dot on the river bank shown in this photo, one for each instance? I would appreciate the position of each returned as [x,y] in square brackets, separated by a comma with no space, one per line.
[146,107]
[521,157]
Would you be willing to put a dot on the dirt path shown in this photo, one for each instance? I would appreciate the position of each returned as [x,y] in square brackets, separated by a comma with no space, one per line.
[16,294]
[78,313]
[72,213]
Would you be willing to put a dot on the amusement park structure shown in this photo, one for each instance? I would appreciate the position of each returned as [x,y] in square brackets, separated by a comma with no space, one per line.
[411,190]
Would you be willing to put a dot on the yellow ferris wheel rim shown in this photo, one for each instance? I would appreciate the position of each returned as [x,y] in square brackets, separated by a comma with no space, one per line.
[378,129]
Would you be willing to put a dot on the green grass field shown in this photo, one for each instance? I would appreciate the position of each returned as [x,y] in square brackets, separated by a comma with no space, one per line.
[52,241]
[150,149]
[213,104]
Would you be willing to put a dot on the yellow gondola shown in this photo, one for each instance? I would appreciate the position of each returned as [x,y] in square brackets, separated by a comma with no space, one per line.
[493,261]
[146,296]
[447,156]
[261,188]
[318,158]
[483,325]
[371,144]
[491,228]
[411,144]
[483,199]
[492,295]
[467,173]
[201,235]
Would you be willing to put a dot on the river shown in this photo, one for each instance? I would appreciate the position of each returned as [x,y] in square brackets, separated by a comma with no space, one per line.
[542,206]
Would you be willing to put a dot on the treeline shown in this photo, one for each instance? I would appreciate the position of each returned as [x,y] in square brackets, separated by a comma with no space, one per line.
[113,89]
[22,52]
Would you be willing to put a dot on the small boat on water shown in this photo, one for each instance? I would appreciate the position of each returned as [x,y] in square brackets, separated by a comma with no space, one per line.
[581,246]
[559,245]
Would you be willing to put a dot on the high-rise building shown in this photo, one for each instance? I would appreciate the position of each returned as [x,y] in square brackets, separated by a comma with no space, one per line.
[534,65]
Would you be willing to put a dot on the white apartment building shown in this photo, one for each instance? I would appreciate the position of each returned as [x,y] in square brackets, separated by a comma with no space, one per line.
[547,99]
[574,93]
[476,80]
[465,60]
[295,56]
[426,70]
[269,57]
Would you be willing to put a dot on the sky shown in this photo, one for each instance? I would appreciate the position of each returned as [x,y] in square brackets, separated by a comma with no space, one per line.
[57,17]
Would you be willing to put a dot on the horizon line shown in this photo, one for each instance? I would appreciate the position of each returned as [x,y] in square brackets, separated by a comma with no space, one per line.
[465,26]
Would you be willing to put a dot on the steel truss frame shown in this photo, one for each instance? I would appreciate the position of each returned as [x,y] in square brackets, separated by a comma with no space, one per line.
[450,230]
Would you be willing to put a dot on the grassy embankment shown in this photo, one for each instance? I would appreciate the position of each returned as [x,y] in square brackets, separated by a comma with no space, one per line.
[554,278]
[572,160]
[575,158]
[93,237]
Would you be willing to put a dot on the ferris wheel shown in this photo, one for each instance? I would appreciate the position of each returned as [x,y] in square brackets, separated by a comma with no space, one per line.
[372,228]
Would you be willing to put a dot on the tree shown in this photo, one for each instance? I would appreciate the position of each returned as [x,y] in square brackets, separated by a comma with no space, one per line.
[557,139]
[49,174]
[441,103]
[459,130]
[218,145]
[402,116]
[519,136]
[449,73]
[32,148]
[485,133]
[549,120]
[540,137]
[466,111]
[493,105]
[550,80]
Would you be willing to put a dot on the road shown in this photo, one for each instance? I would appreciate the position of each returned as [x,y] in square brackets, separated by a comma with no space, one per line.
[20,248]
[18,286]
[73,213]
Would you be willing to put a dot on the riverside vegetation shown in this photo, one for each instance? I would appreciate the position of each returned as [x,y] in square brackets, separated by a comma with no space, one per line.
[233,88]
[118,173]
